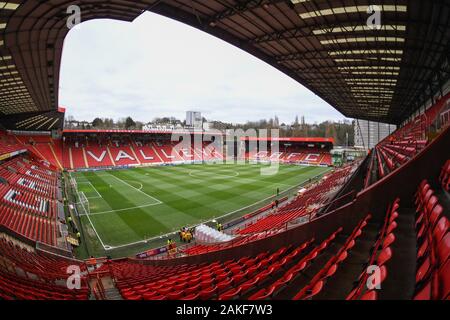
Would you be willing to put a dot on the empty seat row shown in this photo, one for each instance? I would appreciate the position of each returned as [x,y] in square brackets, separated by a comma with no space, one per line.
[433,246]
[301,264]
[44,265]
[402,145]
[98,154]
[28,203]
[14,287]
[238,241]
[444,176]
[8,144]
[317,284]
[206,281]
[294,155]
[31,226]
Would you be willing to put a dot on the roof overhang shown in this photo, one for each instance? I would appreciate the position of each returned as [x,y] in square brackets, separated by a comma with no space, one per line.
[380,74]
[139,132]
[290,139]
[34,121]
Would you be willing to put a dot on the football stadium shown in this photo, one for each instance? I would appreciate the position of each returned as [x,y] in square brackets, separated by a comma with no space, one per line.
[194,211]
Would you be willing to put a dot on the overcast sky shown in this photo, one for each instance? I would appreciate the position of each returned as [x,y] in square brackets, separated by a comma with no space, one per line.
[157,67]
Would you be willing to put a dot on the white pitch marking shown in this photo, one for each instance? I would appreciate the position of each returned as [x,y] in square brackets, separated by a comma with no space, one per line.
[125,209]
[227,214]
[141,185]
[95,230]
[95,189]
[193,173]
[108,247]
[149,196]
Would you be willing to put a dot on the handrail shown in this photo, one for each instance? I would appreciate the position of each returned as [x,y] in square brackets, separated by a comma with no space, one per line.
[369,171]
[99,289]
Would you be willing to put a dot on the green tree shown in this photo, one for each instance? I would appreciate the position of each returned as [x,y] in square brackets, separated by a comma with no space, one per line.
[129,123]
[97,123]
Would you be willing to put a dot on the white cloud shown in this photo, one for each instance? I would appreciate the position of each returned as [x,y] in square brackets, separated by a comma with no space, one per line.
[159,67]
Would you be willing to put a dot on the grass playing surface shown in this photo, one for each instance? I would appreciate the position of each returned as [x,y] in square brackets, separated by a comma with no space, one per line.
[131,205]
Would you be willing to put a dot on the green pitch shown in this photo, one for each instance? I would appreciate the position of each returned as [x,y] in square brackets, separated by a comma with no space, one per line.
[128,206]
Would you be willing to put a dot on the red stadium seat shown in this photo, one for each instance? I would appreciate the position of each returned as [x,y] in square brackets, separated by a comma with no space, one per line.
[384,256]
[370,295]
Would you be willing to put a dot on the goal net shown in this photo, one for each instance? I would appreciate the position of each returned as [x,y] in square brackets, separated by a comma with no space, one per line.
[83,204]
[73,183]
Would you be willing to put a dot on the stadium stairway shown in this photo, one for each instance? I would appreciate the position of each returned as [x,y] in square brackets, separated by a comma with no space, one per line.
[108,288]
[85,158]
[338,286]
[292,272]
[398,285]
[135,155]
[112,294]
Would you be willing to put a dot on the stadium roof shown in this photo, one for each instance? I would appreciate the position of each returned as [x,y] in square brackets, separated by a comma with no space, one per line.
[291,139]
[376,74]
[155,131]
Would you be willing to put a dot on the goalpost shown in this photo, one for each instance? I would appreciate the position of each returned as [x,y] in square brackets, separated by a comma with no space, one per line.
[73,183]
[83,203]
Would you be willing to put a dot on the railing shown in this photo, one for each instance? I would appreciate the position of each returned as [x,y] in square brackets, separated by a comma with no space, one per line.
[368,179]
[99,290]
[54,250]
[218,246]
[253,214]
[339,201]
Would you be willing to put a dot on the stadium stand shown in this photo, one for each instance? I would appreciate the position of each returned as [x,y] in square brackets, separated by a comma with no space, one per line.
[29,199]
[44,147]
[123,152]
[307,157]
[146,153]
[8,144]
[306,151]
[381,254]
[29,208]
[444,177]
[323,263]
[433,250]
[123,155]
[404,144]
[31,275]
[97,156]
[389,240]
[208,152]
[377,240]
[74,152]
[305,204]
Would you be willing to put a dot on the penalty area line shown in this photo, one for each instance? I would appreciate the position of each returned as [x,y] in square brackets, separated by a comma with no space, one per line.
[95,189]
[96,233]
[119,210]
[140,191]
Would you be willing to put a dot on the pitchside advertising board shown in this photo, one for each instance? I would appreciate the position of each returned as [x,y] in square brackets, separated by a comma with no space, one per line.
[151,253]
